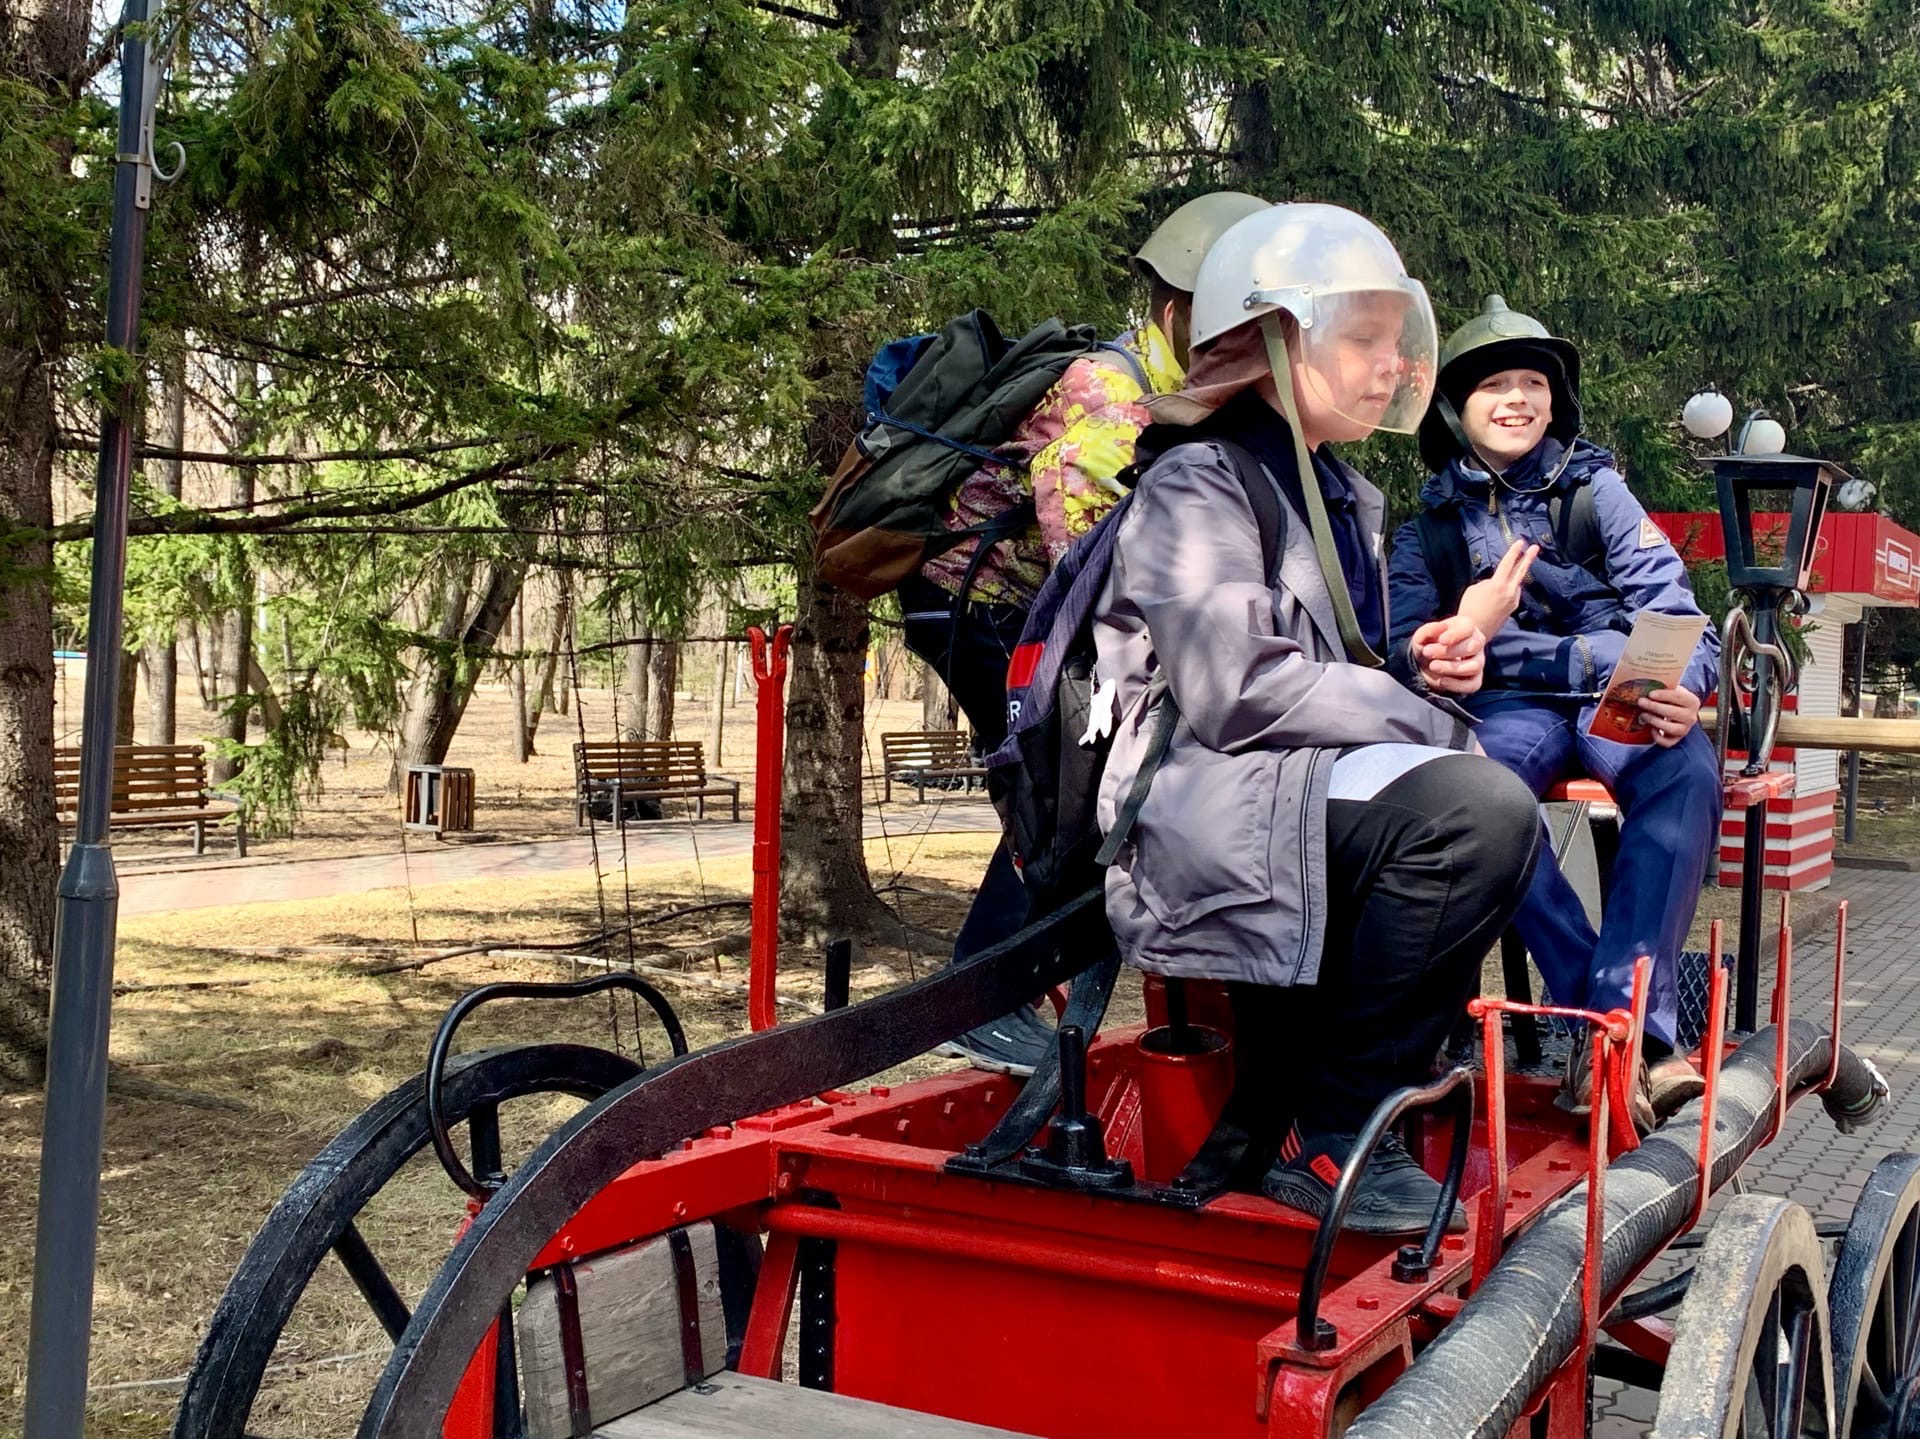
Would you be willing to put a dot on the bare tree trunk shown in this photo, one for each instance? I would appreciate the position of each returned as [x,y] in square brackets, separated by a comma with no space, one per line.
[639,687]
[517,683]
[123,715]
[163,664]
[237,642]
[936,705]
[206,666]
[825,891]
[664,680]
[717,721]
[42,48]
[438,698]
[549,701]
[261,690]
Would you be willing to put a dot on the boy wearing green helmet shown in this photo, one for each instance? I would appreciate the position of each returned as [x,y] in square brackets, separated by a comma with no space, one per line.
[1511,473]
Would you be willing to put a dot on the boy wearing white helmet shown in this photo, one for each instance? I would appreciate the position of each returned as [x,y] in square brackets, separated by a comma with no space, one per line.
[1320,837]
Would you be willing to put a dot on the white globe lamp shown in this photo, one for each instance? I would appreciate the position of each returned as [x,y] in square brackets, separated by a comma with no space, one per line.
[1707,415]
[1761,435]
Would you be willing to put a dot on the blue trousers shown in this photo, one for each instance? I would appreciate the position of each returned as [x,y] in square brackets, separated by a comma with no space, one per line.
[1669,824]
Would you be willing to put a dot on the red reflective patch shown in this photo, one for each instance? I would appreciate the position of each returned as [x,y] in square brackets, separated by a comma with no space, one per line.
[1026,659]
[1323,1165]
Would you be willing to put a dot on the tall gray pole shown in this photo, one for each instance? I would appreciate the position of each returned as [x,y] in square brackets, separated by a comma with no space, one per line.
[70,1143]
[1859,708]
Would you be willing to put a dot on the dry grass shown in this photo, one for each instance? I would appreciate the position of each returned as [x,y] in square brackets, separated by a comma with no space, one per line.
[311,1041]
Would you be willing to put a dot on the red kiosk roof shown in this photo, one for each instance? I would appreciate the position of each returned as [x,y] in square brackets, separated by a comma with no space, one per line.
[1864,555]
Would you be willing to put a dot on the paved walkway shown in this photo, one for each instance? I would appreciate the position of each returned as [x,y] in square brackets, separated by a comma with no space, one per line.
[1812,1162]
[439,862]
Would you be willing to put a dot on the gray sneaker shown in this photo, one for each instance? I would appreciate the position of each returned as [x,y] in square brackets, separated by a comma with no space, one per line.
[1010,1045]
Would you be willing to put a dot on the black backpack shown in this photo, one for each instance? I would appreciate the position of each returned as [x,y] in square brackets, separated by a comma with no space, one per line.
[1043,780]
[1443,543]
[937,406]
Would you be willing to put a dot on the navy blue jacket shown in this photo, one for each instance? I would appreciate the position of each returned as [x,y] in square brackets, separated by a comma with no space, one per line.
[1572,624]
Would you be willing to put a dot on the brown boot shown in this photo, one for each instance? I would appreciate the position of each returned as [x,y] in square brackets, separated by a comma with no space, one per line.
[1672,1083]
[1576,1088]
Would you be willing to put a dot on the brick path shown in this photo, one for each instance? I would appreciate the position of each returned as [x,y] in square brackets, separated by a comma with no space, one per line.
[1812,1162]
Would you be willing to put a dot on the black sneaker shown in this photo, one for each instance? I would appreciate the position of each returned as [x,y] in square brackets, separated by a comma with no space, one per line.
[1012,1045]
[1394,1196]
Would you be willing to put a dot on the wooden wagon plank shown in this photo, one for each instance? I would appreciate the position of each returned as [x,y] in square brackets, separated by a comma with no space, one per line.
[738,1407]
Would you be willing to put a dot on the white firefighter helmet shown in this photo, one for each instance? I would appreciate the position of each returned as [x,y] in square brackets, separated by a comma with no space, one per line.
[1367,338]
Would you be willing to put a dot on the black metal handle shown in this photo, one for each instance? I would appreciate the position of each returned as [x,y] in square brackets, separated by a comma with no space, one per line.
[1316,1333]
[524,989]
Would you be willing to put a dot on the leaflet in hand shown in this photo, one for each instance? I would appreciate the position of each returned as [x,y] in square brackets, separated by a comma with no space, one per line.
[1655,658]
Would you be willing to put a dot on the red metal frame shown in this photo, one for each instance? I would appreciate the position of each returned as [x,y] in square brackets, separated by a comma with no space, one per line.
[1170,1309]
[1782,1009]
[769,769]
[1712,1050]
[1839,993]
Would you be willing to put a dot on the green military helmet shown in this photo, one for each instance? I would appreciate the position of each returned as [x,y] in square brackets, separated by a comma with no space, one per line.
[1174,250]
[1498,338]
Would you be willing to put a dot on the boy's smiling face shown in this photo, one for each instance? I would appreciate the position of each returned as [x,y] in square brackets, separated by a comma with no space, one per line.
[1507,414]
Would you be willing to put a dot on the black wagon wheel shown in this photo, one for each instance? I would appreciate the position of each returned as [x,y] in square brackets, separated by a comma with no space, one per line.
[317,1214]
[1751,1356]
[1875,1303]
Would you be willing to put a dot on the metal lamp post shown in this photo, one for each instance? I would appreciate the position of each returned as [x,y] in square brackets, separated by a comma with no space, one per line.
[66,1238]
[1758,671]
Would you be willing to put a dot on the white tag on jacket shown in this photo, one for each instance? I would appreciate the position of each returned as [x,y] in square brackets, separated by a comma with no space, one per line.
[1103,712]
[1651,535]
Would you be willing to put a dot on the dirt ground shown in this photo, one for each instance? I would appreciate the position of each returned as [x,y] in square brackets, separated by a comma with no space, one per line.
[245,1038]
[354,814]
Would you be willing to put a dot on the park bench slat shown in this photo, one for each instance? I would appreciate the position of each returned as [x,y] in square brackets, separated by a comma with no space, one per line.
[154,786]
[646,769]
[919,757]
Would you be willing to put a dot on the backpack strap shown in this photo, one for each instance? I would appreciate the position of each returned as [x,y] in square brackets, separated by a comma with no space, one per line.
[1263,491]
[1158,742]
[1269,517]
[1132,362]
[1576,529]
[1443,545]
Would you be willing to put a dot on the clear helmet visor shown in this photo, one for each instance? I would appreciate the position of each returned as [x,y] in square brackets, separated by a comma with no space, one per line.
[1367,355]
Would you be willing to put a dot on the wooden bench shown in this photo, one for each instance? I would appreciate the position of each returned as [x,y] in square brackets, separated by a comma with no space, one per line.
[923,757]
[626,770]
[159,786]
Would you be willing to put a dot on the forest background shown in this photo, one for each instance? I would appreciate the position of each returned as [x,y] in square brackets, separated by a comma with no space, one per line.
[558,309]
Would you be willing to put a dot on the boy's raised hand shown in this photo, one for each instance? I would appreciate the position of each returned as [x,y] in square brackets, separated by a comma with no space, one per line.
[1489,603]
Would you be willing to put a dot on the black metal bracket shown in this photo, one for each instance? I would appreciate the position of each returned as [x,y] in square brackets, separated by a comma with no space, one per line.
[816,1259]
[1414,1262]
[450,1161]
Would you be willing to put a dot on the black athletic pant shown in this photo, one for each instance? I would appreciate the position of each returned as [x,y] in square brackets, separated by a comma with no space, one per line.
[970,652]
[1422,879]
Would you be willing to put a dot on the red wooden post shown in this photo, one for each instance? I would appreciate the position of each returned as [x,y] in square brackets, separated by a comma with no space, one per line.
[769,768]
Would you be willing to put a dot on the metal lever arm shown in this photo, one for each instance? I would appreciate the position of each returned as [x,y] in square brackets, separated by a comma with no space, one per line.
[1314,1332]
[450,1161]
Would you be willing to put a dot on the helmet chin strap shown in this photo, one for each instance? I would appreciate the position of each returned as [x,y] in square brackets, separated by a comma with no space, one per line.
[1344,618]
[1457,428]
